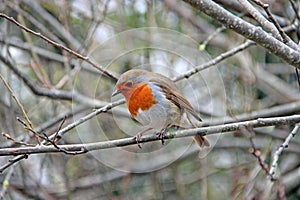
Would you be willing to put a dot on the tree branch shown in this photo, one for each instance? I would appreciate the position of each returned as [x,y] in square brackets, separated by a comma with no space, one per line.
[255,33]
[85,58]
[281,149]
[260,122]
[214,61]
[103,109]
[52,92]
[260,18]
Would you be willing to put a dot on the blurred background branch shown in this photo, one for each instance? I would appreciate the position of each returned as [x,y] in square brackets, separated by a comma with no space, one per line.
[234,60]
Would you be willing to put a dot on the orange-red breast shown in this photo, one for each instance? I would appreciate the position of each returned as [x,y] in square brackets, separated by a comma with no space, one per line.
[155,101]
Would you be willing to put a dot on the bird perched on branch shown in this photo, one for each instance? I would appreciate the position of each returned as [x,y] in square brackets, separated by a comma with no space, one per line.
[155,101]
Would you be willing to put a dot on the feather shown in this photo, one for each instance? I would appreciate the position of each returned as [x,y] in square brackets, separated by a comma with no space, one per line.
[173,94]
[179,100]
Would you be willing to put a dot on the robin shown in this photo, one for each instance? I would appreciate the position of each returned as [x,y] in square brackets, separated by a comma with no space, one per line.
[155,101]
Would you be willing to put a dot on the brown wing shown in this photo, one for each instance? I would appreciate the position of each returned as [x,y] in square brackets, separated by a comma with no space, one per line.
[174,96]
[185,105]
[179,100]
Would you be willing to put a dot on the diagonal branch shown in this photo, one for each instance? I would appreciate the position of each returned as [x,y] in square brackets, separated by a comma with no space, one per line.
[85,58]
[52,92]
[260,18]
[254,33]
[281,149]
[214,61]
[103,109]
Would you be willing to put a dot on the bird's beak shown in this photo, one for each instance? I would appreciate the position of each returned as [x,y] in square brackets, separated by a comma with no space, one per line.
[116,92]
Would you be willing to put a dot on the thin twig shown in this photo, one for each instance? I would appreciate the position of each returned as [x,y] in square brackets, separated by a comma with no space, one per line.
[260,18]
[61,132]
[265,6]
[257,154]
[203,44]
[33,20]
[214,61]
[255,33]
[285,38]
[9,137]
[16,100]
[104,109]
[12,161]
[59,128]
[297,76]
[295,9]
[253,150]
[218,59]
[281,149]
[30,129]
[85,58]
[54,140]
[51,93]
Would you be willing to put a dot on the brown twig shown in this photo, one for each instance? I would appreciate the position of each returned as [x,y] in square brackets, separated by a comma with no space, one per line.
[85,58]
[248,131]
[257,154]
[297,76]
[61,132]
[260,18]
[53,142]
[55,138]
[9,137]
[29,128]
[16,100]
[104,109]
[12,161]
[266,6]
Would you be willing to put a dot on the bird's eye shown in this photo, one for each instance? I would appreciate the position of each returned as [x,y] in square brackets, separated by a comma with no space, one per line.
[128,84]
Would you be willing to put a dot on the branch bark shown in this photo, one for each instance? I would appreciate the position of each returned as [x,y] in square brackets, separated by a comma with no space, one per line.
[255,33]
[260,122]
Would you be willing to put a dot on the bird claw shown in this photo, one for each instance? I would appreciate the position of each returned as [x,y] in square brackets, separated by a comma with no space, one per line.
[161,136]
[137,138]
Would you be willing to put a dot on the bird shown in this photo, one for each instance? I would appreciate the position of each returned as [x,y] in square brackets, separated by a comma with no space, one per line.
[155,101]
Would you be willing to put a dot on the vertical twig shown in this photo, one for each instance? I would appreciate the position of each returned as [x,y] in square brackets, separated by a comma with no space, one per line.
[257,153]
[297,76]
[16,100]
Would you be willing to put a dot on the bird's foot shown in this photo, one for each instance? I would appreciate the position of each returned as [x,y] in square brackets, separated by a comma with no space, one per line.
[137,138]
[161,136]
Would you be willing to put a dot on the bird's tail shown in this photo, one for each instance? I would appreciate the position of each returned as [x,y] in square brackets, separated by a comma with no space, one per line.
[201,141]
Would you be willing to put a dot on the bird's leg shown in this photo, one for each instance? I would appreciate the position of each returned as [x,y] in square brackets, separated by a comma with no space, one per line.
[138,136]
[161,135]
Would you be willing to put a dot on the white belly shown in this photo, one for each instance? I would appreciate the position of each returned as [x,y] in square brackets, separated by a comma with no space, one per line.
[161,115]
[156,118]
